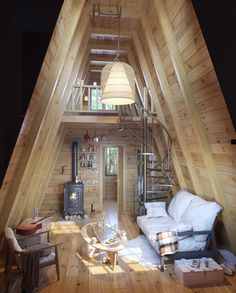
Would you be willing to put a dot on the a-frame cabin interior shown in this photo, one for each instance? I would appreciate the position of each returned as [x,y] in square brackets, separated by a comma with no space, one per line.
[180,119]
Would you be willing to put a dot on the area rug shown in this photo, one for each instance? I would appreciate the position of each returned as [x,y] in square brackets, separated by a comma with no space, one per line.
[139,250]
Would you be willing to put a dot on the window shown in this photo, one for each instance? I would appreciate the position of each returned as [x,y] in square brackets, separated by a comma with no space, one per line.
[95,101]
[111,161]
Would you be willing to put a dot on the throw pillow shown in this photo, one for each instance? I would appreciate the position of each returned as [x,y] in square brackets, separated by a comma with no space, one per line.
[168,242]
[156,209]
[179,204]
[201,215]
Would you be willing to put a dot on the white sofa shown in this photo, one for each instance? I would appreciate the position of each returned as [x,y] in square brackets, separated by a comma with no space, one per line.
[192,217]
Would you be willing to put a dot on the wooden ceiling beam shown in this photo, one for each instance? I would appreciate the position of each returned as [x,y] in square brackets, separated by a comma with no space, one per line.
[102,46]
[104,58]
[110,32]
[90,119]
[111,36]
[108,8]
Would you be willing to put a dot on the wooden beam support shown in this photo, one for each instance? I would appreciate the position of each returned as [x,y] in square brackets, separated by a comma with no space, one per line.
[199,131]
[111,32]
[168,95]
[110,47]
[90,119]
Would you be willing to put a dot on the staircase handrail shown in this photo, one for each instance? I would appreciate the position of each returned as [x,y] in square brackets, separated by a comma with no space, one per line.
[156,119]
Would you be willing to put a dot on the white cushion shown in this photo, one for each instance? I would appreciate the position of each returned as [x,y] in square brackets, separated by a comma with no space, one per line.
[179,204]
[183,227]
[201,215]
[156,209]
[11,239]
[152,226]
[47,259]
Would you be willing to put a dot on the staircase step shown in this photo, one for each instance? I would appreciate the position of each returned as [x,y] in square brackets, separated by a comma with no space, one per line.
[157,197]
[163,184]
[157,191]
[156,162]
[159,170]
[155,169]
[157,177]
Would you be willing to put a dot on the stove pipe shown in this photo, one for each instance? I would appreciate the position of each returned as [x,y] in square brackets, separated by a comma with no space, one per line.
[74,164]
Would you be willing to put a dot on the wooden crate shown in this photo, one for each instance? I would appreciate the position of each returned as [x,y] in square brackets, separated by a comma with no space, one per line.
[190,276]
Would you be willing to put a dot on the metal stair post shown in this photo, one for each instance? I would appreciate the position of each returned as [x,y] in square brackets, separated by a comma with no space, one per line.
[145,147]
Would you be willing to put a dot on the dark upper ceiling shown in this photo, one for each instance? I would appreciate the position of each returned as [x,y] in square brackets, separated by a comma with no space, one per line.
[217,21]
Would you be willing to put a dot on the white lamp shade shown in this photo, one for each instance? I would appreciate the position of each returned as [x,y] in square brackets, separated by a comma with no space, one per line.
[117,84]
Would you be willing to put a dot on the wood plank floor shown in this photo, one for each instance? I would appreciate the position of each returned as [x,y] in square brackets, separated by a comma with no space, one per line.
[91,276]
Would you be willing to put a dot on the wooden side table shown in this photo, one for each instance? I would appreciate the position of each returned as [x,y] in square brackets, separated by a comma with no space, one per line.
[208,272]
[93,243]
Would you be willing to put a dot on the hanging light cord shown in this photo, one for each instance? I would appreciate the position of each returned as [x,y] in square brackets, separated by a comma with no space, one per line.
[118,35]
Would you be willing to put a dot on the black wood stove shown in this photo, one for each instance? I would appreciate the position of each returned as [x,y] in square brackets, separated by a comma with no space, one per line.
[74,190]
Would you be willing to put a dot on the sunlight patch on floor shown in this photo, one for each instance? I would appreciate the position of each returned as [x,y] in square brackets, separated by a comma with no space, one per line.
[65,228]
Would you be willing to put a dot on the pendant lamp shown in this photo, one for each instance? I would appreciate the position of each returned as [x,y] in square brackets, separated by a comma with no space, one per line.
[118,80]
[117,84]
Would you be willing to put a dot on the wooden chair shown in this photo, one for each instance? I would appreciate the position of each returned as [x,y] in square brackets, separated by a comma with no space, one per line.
[29,259]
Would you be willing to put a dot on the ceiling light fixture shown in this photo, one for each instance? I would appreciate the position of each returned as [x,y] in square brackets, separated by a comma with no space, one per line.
[118,79]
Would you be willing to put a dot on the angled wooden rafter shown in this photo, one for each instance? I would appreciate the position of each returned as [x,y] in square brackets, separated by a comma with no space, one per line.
[167,93]
[75,53]
[17,198]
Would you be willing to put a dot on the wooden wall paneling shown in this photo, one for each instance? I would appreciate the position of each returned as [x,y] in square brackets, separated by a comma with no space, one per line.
[51,165]
[17,198]
[198,126]
[54,193]
[152,89]
[140,84]
[168,95]
[140,87]
[81,75]
[39,178]
[46,175]
[68,77]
